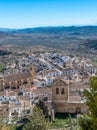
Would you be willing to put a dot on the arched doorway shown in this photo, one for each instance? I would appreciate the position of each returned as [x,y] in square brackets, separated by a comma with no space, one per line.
[78,110]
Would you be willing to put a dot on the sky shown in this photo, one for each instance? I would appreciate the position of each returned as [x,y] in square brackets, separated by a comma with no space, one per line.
[36,13]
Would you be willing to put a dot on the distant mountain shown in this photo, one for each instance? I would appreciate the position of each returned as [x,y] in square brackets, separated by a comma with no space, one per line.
[73,38]
[60,29]
[70,29]
[51,29]
[6,30]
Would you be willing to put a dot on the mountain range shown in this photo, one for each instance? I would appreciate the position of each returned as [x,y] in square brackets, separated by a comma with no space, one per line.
[72,38]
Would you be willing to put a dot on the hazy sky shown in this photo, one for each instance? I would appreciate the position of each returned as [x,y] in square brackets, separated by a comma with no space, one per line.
[32,13]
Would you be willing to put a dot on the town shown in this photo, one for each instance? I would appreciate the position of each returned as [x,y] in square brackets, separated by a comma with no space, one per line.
[48,65]
[56,79]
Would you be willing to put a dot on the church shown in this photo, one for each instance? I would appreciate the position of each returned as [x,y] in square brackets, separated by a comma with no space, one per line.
[67,97]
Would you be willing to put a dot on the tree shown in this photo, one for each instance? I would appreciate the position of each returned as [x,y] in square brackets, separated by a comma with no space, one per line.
[91,101]
[37,121]
[85,122]
[42,106]
[71,124]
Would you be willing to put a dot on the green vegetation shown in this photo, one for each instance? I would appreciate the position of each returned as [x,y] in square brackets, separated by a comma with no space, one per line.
[60,121]
[94,62]
[65,122]
[2,68]
[89,122]
[18,127]
[85,122]
[37,121]
[1,122]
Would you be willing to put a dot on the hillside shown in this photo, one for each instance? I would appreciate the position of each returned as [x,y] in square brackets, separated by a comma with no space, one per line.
[72,39]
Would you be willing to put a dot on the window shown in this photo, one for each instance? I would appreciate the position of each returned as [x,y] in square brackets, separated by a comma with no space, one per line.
[25,82]
[17,86]
[62,91]
[57,90]
[6,109]
[32,83]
